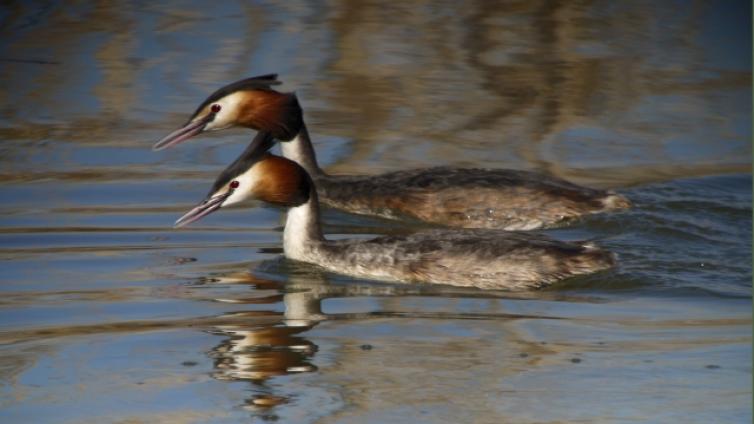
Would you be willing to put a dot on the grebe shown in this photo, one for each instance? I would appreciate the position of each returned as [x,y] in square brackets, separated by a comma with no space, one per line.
[454,197]
[487,259]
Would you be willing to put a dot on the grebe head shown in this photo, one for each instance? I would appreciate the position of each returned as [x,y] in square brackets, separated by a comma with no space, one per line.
[250,103]
[256,174]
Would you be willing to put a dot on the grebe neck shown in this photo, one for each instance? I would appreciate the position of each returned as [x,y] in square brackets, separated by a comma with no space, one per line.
[300,150]
[302,228]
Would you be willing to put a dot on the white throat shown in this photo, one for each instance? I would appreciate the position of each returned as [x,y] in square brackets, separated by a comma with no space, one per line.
[301,232]
[295,149]
[301,151]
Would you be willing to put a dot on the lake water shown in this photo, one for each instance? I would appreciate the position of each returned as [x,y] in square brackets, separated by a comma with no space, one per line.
[107,314]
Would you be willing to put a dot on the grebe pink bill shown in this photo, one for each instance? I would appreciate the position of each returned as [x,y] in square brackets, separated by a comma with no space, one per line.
[453,197]
[487,259]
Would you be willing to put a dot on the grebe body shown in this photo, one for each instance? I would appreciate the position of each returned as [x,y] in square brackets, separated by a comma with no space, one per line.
[487,259]
[447,196]
[465,197]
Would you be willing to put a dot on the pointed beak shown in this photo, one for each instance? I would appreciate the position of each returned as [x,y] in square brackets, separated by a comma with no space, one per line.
[184,133]
[203,209]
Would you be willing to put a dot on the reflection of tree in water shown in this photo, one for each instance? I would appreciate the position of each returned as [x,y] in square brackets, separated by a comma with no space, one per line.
[485,82]
[535,84]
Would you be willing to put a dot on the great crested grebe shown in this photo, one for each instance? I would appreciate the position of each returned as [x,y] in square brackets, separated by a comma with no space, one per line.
[455,197]
[488,259]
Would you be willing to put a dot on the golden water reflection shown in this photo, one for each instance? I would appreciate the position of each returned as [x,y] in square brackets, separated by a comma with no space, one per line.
[577,89]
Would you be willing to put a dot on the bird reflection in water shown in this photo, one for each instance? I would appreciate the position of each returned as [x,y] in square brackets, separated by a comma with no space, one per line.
[260,344]
[257,350]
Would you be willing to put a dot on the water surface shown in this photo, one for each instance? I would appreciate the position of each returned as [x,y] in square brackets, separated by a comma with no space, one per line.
[109,315]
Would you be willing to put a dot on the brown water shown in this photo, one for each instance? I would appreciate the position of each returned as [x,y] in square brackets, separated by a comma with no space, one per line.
[109,315]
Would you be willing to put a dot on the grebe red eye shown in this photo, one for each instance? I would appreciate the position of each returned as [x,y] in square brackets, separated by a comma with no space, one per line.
[215,108]
[234,184]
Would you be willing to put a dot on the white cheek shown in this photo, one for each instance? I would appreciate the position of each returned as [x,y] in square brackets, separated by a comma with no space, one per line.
[219,123]
[243,192]
[228,111]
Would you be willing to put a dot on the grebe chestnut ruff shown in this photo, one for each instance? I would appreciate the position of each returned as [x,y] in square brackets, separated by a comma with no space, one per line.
[454,197]
[487,259]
